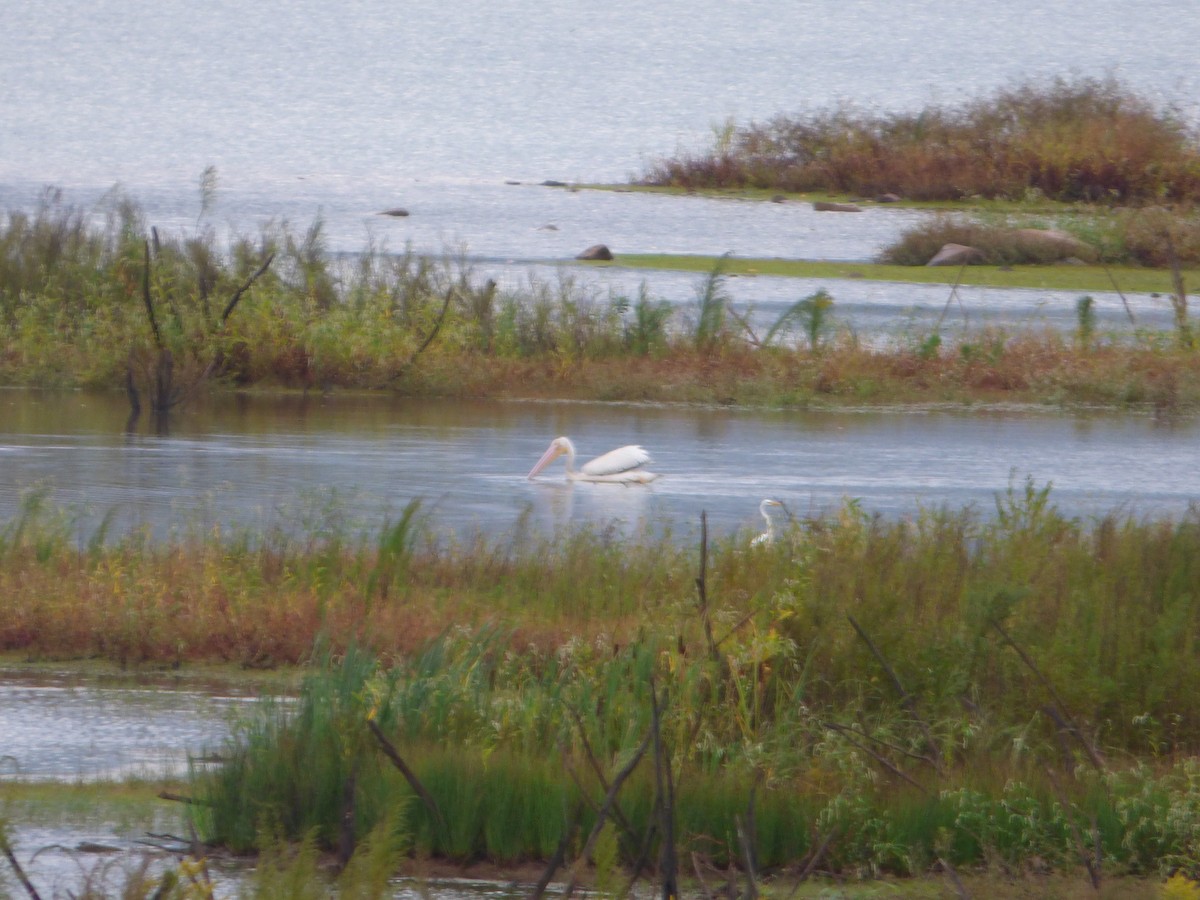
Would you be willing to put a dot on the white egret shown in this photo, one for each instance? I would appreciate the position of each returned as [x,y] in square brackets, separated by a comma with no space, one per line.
[768,536]
[620,466]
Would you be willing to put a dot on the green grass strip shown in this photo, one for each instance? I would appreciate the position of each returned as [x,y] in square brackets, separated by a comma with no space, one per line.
[1058,278]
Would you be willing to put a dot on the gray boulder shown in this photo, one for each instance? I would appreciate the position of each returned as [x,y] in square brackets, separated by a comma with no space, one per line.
[827,206]
[596,251]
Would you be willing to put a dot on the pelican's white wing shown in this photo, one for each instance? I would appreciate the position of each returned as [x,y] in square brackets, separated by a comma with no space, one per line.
[616,461]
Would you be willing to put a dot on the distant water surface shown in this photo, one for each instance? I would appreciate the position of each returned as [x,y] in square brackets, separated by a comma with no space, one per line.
[341,110]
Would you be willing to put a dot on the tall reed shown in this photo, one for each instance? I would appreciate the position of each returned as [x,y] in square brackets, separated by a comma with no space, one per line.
[1080,139]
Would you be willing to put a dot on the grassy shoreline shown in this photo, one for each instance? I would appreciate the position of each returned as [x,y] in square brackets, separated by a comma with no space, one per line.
[498,668]
[1127,279]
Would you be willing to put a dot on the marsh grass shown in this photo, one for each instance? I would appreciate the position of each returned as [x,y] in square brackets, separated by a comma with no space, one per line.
[929,587]
[1125,237]
[1080,139]
[415,325]
[507,800]
[508,672]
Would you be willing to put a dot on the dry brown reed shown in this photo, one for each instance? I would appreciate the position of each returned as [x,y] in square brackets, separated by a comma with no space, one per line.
[1080,139]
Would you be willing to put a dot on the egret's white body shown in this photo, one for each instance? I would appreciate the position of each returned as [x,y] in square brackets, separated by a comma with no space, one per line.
[620,466]
[768,536]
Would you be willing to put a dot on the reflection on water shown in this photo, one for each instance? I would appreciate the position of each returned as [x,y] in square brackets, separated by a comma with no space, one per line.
[64,727]
[316,462]
[59,727]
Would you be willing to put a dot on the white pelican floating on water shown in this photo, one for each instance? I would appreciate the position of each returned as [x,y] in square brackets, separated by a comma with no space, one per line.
[768,536]
[620,466]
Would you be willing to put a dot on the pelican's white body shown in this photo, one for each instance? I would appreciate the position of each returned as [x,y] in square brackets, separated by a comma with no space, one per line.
[620,466]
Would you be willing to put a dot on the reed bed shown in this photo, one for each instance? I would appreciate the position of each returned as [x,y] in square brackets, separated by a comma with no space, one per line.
[1105,606]
[766,804]
[1072,140]
[954,688]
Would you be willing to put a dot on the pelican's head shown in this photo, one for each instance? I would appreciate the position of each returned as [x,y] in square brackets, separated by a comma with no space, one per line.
[557,448]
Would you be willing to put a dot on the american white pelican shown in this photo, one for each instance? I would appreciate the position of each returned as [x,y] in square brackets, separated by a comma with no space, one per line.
[768,536]
[620,466]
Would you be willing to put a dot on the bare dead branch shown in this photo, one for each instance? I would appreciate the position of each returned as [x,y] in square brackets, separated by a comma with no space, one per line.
[810,865]
[237,295]
[148,301]
[668,861]
[702,589]
[906,699]
[391,753]
[617,813]
[959,888]
[1090,862]
[745,842]
[851,736]
[610,800]
[1124,300]
[1093,754]
[556,861]
[6,848]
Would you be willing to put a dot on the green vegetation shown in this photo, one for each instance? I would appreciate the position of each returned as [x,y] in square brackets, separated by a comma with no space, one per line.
[950,692]
[76,302]
[1153,237]
[945,691]
[1087,140]
[977,689]
[1131,280]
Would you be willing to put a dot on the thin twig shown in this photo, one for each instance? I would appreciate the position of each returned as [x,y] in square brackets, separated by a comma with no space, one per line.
[735,629]
[6,847]
[888,744]
[1092,752]
[1116,287]
[237,295]
[610,800]
[906,699]
[702,589]
[668,867]
[953,294]
[560,854]
[409,776]
[848,734]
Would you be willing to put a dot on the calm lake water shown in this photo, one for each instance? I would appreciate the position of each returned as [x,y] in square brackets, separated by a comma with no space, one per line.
[314,462]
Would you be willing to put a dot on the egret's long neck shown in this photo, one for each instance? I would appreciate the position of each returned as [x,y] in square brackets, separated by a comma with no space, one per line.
[770,524]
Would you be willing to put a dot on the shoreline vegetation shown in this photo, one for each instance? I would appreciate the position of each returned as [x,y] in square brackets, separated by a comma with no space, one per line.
[1083,140]
[1004,697]
[990,704]
[120,307]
